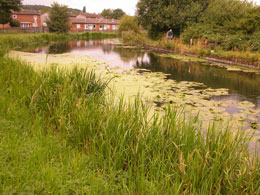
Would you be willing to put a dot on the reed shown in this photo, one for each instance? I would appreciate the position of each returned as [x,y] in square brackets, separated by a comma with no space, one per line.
[61,133]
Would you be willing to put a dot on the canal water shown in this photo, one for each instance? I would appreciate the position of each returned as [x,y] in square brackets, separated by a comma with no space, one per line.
[242,86]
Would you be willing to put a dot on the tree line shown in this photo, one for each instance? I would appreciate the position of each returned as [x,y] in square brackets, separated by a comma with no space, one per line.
[234,23]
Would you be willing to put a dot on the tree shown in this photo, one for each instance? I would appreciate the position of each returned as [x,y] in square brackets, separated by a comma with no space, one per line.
[115,14]
[8,5]
[5,17]
[5,10]
[107,13]
[158,16]
[84,9]
[128,23]
[118,13]
[59,19]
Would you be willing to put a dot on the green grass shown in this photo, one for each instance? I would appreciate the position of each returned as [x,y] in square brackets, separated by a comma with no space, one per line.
[62,134]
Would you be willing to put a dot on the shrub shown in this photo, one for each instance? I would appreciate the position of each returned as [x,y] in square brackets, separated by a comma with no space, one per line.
[15,23]
[132,38]
[128,23]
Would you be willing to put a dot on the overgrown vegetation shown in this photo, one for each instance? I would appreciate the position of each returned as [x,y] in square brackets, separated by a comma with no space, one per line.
[59,18]
[60,133]
[5,10]
[232,24]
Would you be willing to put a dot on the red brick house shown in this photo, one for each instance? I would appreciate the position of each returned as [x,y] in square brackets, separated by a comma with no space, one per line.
[27,19]
[93,24]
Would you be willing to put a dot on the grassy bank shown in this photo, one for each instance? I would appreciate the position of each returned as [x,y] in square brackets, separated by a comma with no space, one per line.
[62,134]
[178,46]
[13,41]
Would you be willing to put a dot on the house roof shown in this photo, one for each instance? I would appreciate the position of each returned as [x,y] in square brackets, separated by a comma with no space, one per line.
[26,12]
[93,21]
[91,15]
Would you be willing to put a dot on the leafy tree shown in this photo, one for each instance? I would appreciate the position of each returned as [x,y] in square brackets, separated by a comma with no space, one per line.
[8,5]
[59,19]
[5,10]
[118,13]
[45,10]
[250,23]
[5,17]
[158,16]
[107,13]
[128,23]
[84,9]
[115,14]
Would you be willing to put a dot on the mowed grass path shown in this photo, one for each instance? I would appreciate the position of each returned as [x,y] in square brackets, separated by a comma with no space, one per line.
[61,134]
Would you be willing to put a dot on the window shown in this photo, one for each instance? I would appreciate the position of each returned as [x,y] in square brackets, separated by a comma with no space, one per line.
[87,26]
[35,17]
[14,16]
[78,26]
[94,26]
[114,27]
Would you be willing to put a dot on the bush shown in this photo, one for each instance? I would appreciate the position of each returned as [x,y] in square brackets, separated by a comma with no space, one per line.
[237,41]
[132,38]
[128,23]
[15,23]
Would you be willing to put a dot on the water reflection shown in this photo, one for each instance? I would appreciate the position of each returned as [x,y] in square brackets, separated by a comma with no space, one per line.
[242,86]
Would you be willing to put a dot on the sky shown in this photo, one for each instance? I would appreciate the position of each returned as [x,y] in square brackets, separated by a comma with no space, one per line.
[95,6]
[92,6]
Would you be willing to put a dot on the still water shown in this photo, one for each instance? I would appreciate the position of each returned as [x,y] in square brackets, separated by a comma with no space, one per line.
[242,86]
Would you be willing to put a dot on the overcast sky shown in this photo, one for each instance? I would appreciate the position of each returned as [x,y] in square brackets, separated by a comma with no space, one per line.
[96,6]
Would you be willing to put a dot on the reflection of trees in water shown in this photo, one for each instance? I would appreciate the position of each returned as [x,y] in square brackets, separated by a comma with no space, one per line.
[59,48]
[246,84]
[107,48]
[128,55]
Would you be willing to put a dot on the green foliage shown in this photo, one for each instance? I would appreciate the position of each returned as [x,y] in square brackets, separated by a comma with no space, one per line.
[113,13]
[59,19]
[5,17]
[8,5]
[232,23]
[225,12]
[250,22]
[15,23]
[128,23]
[159,16]
[133,38]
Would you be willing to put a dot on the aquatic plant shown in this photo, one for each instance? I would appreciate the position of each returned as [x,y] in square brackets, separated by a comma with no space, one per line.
[61,133]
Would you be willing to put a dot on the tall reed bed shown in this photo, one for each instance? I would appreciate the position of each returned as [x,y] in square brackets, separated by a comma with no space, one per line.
[61,133]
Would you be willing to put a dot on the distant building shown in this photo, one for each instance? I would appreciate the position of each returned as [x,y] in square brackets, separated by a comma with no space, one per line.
[79,23]
[94,24]
[44,18]
[27,19]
